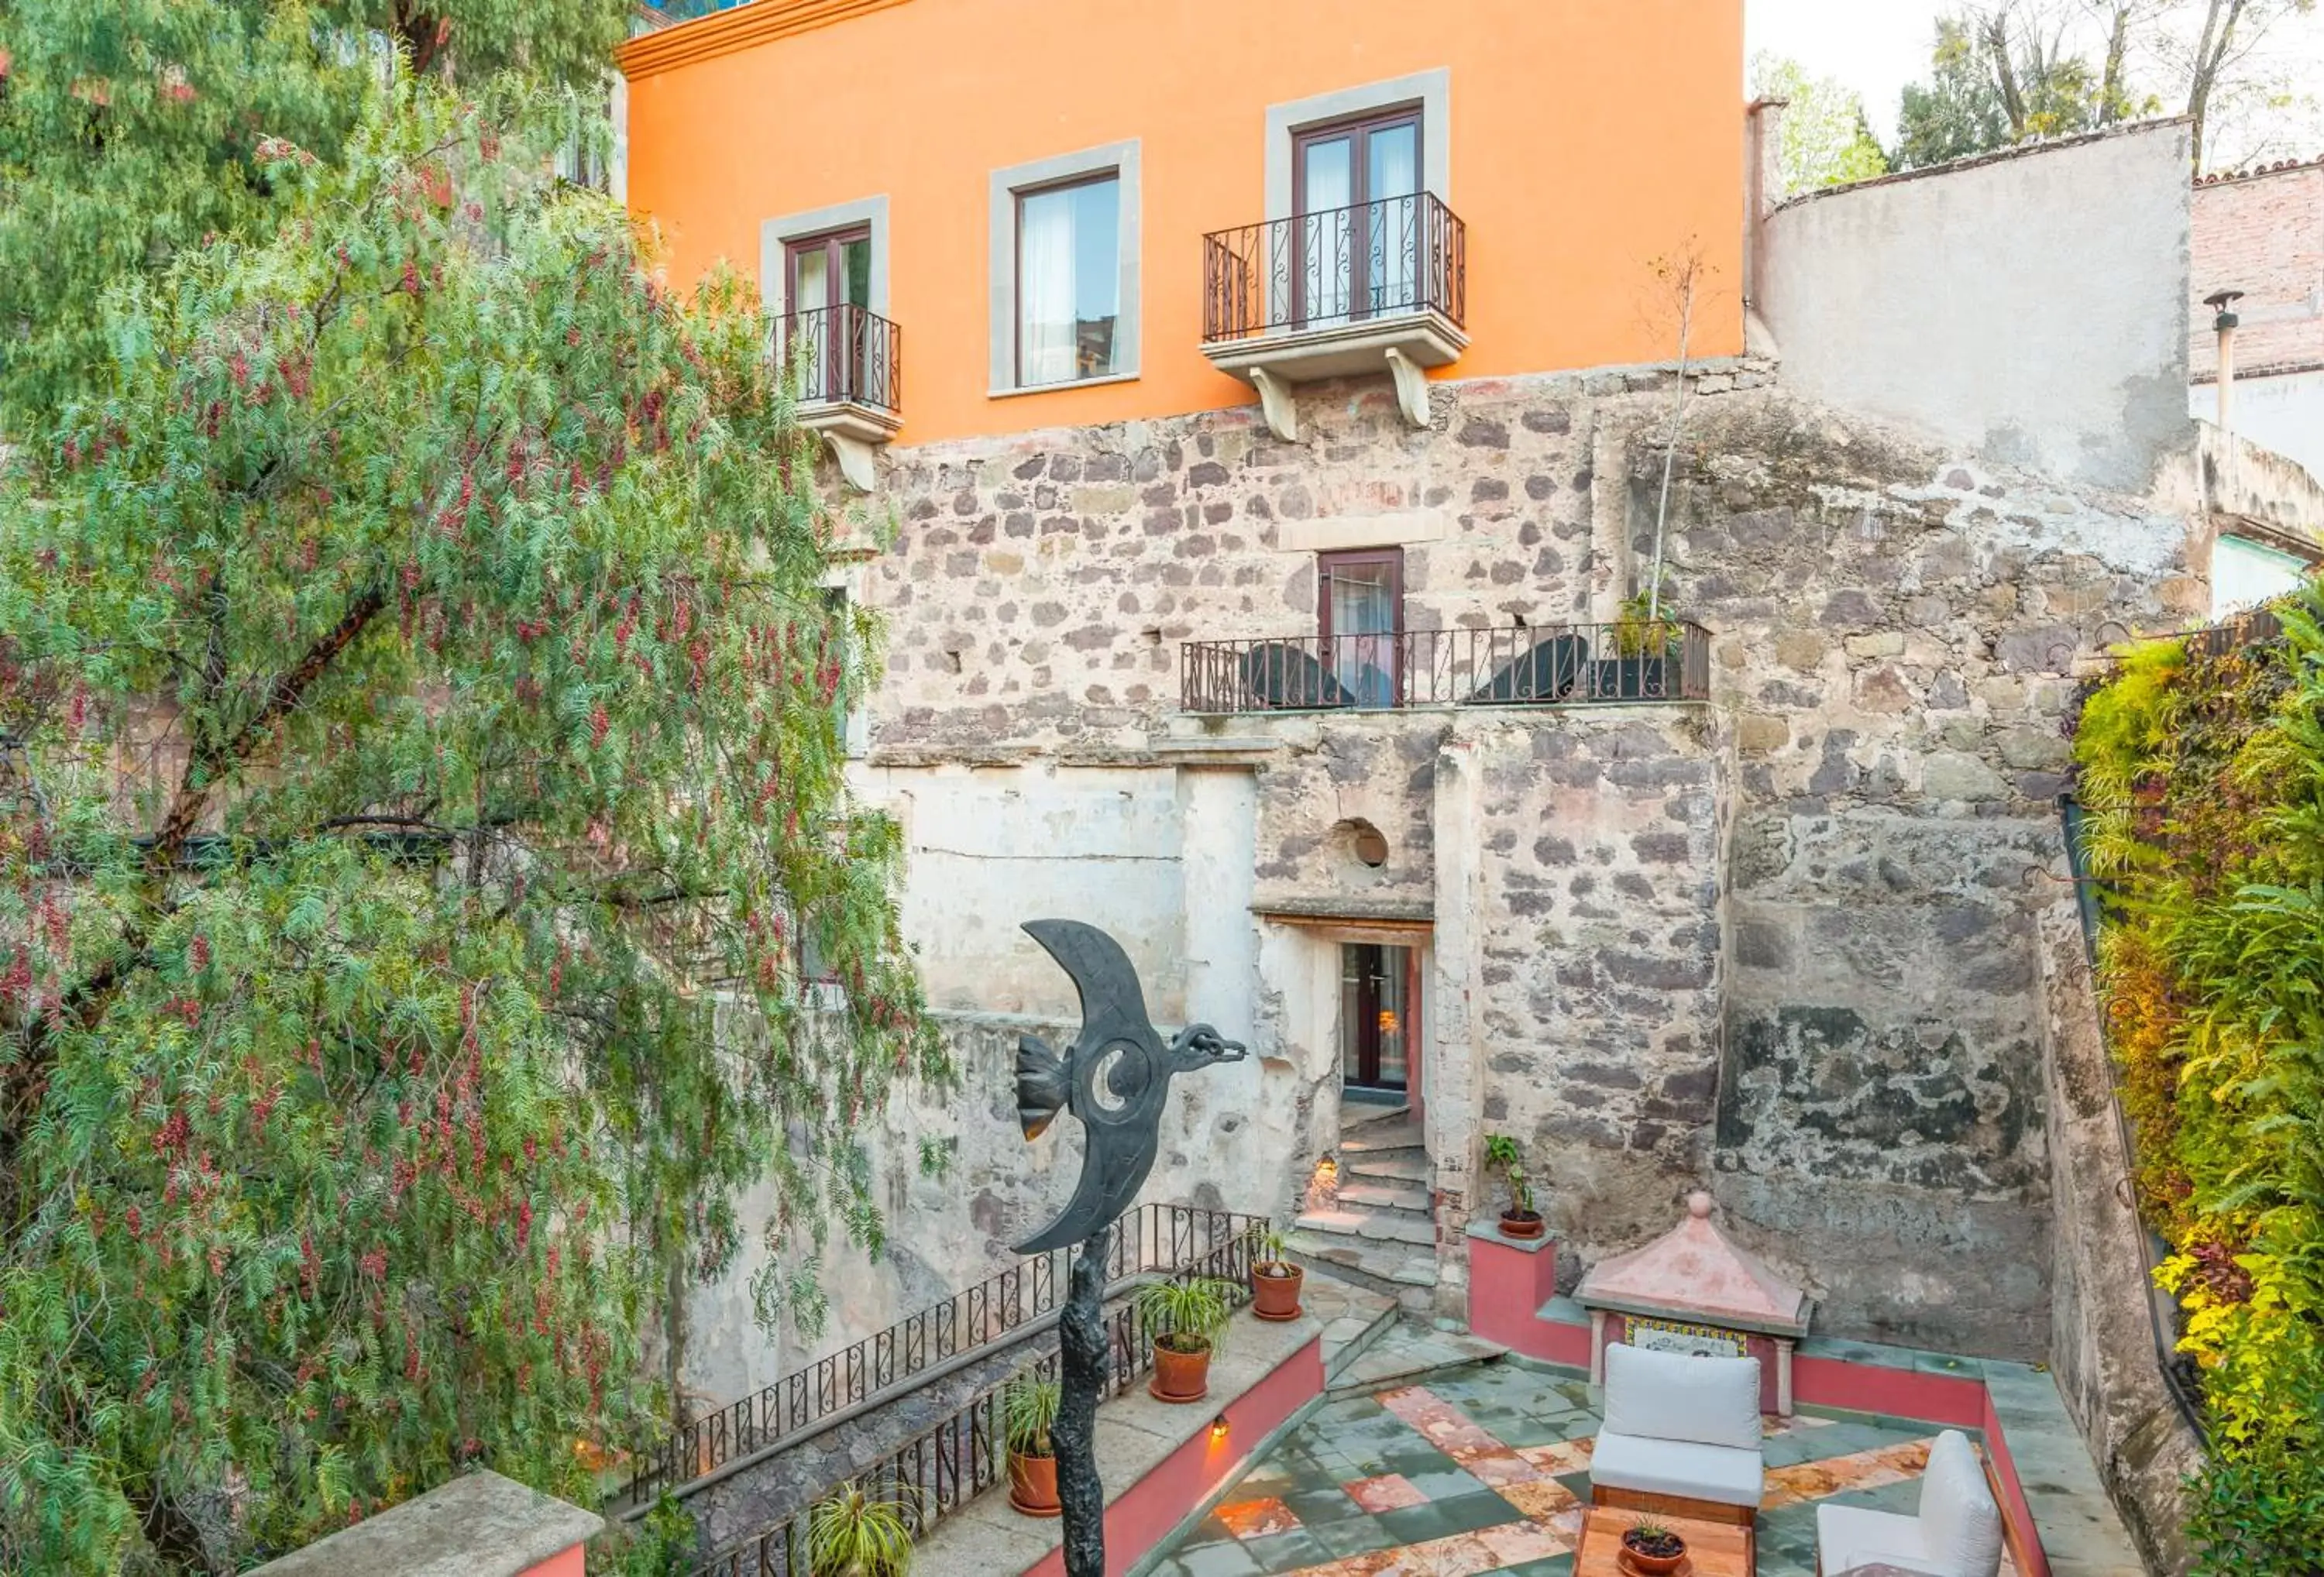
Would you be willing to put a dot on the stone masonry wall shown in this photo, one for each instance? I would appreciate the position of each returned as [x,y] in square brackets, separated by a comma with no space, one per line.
[1896,634]
[1598,959]
[1837,1019]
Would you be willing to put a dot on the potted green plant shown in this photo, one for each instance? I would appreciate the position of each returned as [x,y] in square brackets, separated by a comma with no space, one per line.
[1520,1220]
[861,1531]
[1275,1280]
[1187,1319]
[1028,1412]
[1652,1549]
[1645,639]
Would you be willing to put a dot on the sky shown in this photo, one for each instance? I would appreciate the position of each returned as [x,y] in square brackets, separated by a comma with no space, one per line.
[1876,46]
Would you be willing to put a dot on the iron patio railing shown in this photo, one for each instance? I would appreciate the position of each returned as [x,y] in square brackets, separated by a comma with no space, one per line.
[1150,1240]
[850,355]
[1336,266]
[1542,665]
[939,1472]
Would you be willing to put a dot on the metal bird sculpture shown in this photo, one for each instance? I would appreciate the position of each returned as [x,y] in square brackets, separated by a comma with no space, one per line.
[1115,1077]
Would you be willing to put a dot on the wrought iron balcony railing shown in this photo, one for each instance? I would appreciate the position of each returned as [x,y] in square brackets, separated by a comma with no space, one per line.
[939,1472]
[1334,268]
[1152,1239]
[845,354]
[1545,665]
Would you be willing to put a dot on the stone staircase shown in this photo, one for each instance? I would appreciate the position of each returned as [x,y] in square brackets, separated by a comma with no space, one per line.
[1383,1235]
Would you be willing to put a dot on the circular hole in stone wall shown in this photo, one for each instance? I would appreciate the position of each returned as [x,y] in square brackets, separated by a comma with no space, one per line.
[1366,843]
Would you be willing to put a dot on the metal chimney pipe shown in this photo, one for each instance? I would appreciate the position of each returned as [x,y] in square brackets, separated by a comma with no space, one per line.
[2224,303]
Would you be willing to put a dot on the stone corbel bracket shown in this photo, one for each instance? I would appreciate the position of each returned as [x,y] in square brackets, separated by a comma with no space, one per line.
[1275,404]
[853,432]
[1411,387]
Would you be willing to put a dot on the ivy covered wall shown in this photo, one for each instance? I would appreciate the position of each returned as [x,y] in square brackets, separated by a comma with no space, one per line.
[2202,763]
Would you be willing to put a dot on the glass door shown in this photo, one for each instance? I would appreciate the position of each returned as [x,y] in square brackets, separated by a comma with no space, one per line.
[830,285]
[1357,217]
[1377,989]
[1360,616]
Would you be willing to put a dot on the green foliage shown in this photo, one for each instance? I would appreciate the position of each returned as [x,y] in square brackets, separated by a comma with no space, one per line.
[660,1544]
[1503,1152]
[1189,1315]
[129,131]
[2205,775]
[1642,631]
[1274,1249]
[1029,1410]
[1824,138]
[861,1531]
[423,775]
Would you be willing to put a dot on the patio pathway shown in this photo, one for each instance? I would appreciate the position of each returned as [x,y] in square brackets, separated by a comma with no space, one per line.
[1485,1469]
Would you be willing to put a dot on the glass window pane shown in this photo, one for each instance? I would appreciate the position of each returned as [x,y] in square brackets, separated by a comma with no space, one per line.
[810,278]
[855,271]
[1392,1019]
[1363,599]
[1068,281]
[1326,230]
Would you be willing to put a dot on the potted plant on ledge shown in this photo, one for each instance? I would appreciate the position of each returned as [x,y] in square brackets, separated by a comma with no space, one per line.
[1651,1549]
[1520,1220]
[1187,1319]
[1028,1412]
[1275,1280]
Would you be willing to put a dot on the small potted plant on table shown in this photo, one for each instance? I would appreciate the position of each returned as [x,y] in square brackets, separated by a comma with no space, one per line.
[1028,1412]
[1275,1280]
[1520,1220]
[1651,1549]
[1187,1319]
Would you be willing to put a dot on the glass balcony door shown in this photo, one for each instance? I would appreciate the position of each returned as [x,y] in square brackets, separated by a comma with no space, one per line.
[1357,218]
[830,274]
[1379,987]
[1360,616]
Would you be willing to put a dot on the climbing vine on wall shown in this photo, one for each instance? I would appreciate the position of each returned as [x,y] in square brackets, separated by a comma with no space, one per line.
[2203,771]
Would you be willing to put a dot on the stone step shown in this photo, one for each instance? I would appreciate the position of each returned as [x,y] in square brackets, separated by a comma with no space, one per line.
[1382,1138]
[1356,1115]
[1373,1225]
[1401,1196]
[1395,1167]
[1391,1267]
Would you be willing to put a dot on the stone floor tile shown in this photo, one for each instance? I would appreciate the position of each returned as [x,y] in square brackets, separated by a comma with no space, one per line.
[1388,1492]
[1250,1519]
[1445,1519]
[1294,1550]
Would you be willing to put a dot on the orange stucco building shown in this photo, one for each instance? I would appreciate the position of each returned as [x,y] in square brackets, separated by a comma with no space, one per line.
[1566,143]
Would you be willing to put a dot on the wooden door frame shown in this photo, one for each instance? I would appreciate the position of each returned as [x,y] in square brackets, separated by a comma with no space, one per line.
[1394,559]
[1359,129]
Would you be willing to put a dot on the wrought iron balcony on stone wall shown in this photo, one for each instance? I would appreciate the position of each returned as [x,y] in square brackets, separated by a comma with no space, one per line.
[1542,665]
[850,366]
[1375,287]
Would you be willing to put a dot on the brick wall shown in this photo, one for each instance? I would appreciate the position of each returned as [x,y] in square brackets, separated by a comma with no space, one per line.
[2263,234]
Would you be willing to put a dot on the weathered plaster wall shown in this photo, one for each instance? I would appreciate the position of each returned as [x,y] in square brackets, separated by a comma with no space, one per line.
[2102,1335]
[2029,310]
[2284,413]
[1896,634]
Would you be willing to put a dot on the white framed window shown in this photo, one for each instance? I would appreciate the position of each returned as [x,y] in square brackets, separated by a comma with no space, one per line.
[1064,259]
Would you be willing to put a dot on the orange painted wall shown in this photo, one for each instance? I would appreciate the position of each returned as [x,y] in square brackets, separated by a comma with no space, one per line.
[1588,137]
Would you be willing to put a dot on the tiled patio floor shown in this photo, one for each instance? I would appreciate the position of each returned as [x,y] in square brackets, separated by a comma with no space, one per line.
[1486,1470]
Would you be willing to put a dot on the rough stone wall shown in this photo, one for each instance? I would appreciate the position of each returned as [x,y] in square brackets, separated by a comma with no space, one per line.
[2102,1342]
[1895,631]
[1896,636]
[1598,959]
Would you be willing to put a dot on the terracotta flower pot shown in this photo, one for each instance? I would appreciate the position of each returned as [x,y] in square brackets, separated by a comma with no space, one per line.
[1033,1485]
[1181,1377]
[1276,1296]
[1653,1565]
[1521,1224]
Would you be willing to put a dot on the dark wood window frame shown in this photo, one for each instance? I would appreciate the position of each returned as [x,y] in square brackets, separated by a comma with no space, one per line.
[834,381]
[1016,197]
[1392,642]
[1359,128]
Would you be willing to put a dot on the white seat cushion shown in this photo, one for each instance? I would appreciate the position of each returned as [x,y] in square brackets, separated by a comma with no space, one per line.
[1675,1396]
[1960,1525]
[1677,1467]
[1849,1537]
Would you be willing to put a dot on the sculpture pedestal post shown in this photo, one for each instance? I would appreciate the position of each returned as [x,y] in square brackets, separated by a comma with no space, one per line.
[1081,1374]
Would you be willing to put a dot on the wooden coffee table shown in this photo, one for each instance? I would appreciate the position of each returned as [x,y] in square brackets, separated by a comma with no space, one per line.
[1713,1549]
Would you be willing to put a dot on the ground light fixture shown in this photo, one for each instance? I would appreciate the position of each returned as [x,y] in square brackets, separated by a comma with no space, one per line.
[1219,1427]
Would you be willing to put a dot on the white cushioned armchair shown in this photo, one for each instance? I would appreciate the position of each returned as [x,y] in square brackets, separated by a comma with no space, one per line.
[1958,1532]
[1681,1435]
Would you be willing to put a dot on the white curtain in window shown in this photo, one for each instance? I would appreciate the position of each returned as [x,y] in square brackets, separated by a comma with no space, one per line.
[1044,288]
[1395,218]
